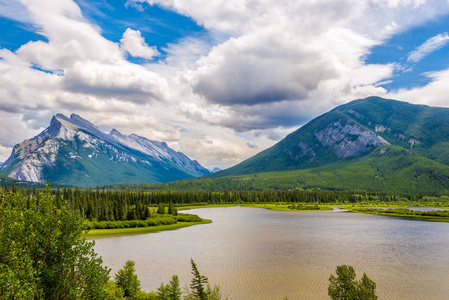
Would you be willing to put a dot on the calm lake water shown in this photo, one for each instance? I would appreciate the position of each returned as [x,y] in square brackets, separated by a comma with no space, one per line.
[254,253]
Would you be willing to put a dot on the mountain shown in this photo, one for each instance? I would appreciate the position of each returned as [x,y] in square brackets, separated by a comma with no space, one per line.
[349,136]
[73,151]
[215,170]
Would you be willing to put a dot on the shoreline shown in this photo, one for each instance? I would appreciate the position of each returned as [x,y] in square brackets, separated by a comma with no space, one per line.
[141,230]
[270,206]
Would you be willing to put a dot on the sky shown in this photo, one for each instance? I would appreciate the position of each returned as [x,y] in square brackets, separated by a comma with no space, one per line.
[217,80]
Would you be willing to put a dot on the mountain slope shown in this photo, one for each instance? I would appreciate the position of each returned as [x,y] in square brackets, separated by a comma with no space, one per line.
[73,151]
[354,130]
[423,129]
[387,168]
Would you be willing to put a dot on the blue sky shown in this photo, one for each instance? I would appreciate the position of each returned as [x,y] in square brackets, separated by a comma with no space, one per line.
[398,48]
[157,25]
[217,80]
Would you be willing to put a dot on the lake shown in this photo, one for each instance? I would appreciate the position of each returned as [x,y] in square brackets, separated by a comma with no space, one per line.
[253,253]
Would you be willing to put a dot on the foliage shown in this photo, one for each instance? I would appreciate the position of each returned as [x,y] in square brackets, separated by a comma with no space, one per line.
[198,282]
[127,279]
[42,254]
[214,293]
[175,290]
[161,209]
[163,292]
[113,291]
[437,215]
[345,287]
[134,223]
[170,291]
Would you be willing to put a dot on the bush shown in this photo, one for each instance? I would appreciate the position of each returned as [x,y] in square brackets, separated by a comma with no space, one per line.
[187,218]
[42,254]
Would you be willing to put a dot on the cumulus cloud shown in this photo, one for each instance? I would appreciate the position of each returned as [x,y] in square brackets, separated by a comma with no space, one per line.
[11,132]
[121,80]
[434,93]
[434,43]
[264,69]
[133,43]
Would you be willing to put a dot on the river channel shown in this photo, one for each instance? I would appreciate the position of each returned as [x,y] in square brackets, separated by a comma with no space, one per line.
[253,253]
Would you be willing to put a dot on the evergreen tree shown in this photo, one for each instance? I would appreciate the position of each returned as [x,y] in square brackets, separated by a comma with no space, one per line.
[58,198]
[171,208]
[344,286]
[146,213]
[175,290]
[127,279]
[198,282]
[163,292]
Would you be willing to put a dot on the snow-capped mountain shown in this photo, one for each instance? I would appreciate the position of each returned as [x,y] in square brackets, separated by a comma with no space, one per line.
[76,152]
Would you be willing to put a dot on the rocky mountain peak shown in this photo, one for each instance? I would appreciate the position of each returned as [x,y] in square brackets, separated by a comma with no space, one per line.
[82,152]
[115,132]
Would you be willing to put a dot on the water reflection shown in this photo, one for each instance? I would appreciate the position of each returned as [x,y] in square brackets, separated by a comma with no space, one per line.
[260,254]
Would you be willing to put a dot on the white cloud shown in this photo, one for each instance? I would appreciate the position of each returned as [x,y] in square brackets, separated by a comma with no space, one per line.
[434,93]
[264,68]
[133,43]
[433,44]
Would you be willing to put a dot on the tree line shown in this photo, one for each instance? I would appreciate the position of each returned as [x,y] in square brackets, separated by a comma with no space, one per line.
[126,205]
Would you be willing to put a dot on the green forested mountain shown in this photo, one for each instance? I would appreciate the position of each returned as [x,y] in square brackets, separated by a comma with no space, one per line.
[371,144]
[355,130]
[419,128]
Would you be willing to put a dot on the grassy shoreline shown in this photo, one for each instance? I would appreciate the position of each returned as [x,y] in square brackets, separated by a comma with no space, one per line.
[141,230]
[271,206]
[409,216]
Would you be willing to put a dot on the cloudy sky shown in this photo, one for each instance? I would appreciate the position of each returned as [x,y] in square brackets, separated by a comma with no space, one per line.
[218,80]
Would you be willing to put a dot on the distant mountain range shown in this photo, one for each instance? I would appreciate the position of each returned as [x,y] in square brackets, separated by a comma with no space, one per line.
[372,144]
[73,151]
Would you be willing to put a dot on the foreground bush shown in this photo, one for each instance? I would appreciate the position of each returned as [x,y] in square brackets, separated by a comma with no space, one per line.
[42,254]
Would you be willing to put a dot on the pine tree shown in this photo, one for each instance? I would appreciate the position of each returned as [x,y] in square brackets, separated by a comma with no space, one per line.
[127,279]
[171,208]
[58,198]
[174,291]
[198,282]
[344,286]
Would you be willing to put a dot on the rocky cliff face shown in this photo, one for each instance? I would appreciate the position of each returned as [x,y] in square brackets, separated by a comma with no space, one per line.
[348,139]
[75,151]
